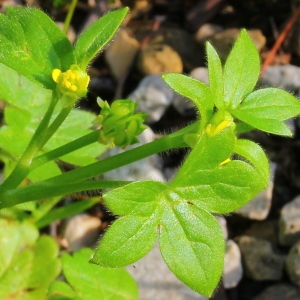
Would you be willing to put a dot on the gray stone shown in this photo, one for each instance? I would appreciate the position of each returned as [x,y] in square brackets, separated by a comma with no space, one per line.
[261,262]
[293,264]
[259,207]
[286,77]
[153,97]
[266,230]
[157,282]
[233,269]
[147,168]
[289,223]
[222,221]
[279,292]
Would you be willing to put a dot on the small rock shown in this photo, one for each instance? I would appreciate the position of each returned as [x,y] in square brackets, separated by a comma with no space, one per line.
[81,231]
[279,292]
[120,54]
[153,97]
[158,59]
[266,230]
[261,262]
[259,207]
[147,168]
[206,31]
[233,270]
[225,39]
[286,77]
[289,223]
[293,264]
[222,221]
[157,282]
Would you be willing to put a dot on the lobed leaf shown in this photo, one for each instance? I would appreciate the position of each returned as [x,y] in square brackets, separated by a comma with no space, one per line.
[241,70]
[97,35]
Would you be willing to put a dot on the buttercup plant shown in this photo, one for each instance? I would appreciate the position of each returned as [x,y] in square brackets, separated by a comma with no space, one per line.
[221,173]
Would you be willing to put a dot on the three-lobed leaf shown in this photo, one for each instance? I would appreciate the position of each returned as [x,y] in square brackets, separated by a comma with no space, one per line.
[190,239]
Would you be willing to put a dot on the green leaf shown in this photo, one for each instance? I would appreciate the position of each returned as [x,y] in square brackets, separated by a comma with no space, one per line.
[60,290]
[45,265]
[90,282]
[192,245]
[241,70]
[206,182]
[256,156]
[127,240]
[28,264]
[265,109]
[97,35]
[33,45]
[196,91]
[215,73]
[75,126]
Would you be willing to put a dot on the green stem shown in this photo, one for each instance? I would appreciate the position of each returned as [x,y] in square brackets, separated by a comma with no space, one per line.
[42,190]
[69,16]
[22,168]
[65,183]
[65,149]
[174,140]
[56,124]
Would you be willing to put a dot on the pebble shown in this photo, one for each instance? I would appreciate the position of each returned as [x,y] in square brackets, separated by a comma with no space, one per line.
[147,168]
[289,223]
[223,223]
[233,269]
[259,207]
[279,292]
[267,230]
[286,77]
[81,231]
[158,59]
[293,264]
[153,97]
[121,52]
[157,282]
[261,262]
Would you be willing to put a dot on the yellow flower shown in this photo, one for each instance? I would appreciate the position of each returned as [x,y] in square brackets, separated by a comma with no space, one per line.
[71,84]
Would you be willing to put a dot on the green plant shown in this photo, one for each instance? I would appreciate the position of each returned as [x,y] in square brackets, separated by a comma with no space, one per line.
[220,174]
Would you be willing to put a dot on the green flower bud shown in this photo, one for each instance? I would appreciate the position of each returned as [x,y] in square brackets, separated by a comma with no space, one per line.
[71,84]
[120,126]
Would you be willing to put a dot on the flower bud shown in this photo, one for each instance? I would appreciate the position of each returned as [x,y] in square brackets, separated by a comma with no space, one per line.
[71,84]
[120,126]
